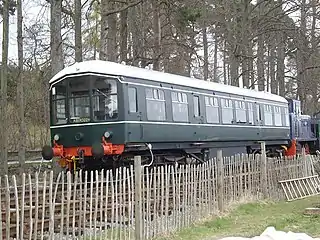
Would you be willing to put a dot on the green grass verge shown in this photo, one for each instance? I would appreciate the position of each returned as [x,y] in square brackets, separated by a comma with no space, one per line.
[252,219]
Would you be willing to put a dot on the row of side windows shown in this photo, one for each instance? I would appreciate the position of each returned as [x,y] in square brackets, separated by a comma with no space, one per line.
[244,111]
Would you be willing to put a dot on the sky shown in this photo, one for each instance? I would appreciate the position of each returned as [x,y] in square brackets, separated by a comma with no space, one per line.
[32,11]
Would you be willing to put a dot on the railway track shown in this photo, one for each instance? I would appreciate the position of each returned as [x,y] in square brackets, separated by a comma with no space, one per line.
[32,157]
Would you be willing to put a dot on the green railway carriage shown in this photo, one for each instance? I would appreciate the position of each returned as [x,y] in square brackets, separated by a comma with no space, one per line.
[104,113]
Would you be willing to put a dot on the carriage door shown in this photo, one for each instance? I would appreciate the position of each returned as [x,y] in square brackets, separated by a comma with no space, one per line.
[134,113]
[258,118]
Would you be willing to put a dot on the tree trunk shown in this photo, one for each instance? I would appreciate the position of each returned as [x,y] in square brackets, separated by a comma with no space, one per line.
[301,52]
[108,38]
[280,38]
[20,95]
[245,44]
[234,69]
[260,63]
[103,30]
[157,35]
[133,18]
[57,60]
[112,35]
[142,39]
[250,66]
[225,67]
[260,52]
[280,64]
[4,94]
[78,33]
[124,36]
[205,55]
[314,83]
[215,58]
[272,63]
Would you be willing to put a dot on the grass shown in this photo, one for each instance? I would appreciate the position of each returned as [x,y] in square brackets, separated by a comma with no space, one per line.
[252,219]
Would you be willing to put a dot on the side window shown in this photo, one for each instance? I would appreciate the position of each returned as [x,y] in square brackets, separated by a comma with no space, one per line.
[212,109]
[250,111]
[133,104]
[268,114]
[59,93]
[240,111]
[227,111]
[156,108]
[277,116]
[180,107]
[196,106]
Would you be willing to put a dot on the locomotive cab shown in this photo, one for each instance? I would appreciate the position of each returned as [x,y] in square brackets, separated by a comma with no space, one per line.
[301,127]
[83,110]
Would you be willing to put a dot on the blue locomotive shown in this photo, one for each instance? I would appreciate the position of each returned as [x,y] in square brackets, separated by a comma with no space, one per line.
[304,130]
[105,113]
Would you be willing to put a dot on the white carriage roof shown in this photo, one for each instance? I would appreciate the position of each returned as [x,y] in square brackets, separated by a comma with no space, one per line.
[111,68]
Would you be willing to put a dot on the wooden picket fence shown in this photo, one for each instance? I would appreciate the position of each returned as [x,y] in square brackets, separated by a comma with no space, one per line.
[138,202]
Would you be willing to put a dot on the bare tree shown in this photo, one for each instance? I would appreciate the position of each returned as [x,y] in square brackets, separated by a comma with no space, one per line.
[4,87]
[156,34]
[57,59]
[272,64]
[245,43]
[78,33]
[205,55]
[261,51]
[23,130]
[124,34]
[108,41]
[301,55]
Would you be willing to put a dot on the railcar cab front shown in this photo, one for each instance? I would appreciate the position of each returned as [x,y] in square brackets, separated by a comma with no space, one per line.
[84,99]
[83,109]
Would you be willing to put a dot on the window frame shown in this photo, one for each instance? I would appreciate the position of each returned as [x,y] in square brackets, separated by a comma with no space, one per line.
[277,113]
[286,117]
[212,102]
[53,104]
[117,84]
[153,99]
[136,100]
[240,105]
[181,99]
[268,109]
[229,107]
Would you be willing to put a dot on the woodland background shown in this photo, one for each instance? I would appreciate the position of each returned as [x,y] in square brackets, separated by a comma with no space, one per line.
[264,44]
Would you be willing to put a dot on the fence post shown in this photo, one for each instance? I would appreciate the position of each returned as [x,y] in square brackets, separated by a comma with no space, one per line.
[264,178]
[305,163]
[220,179]
[138,200]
